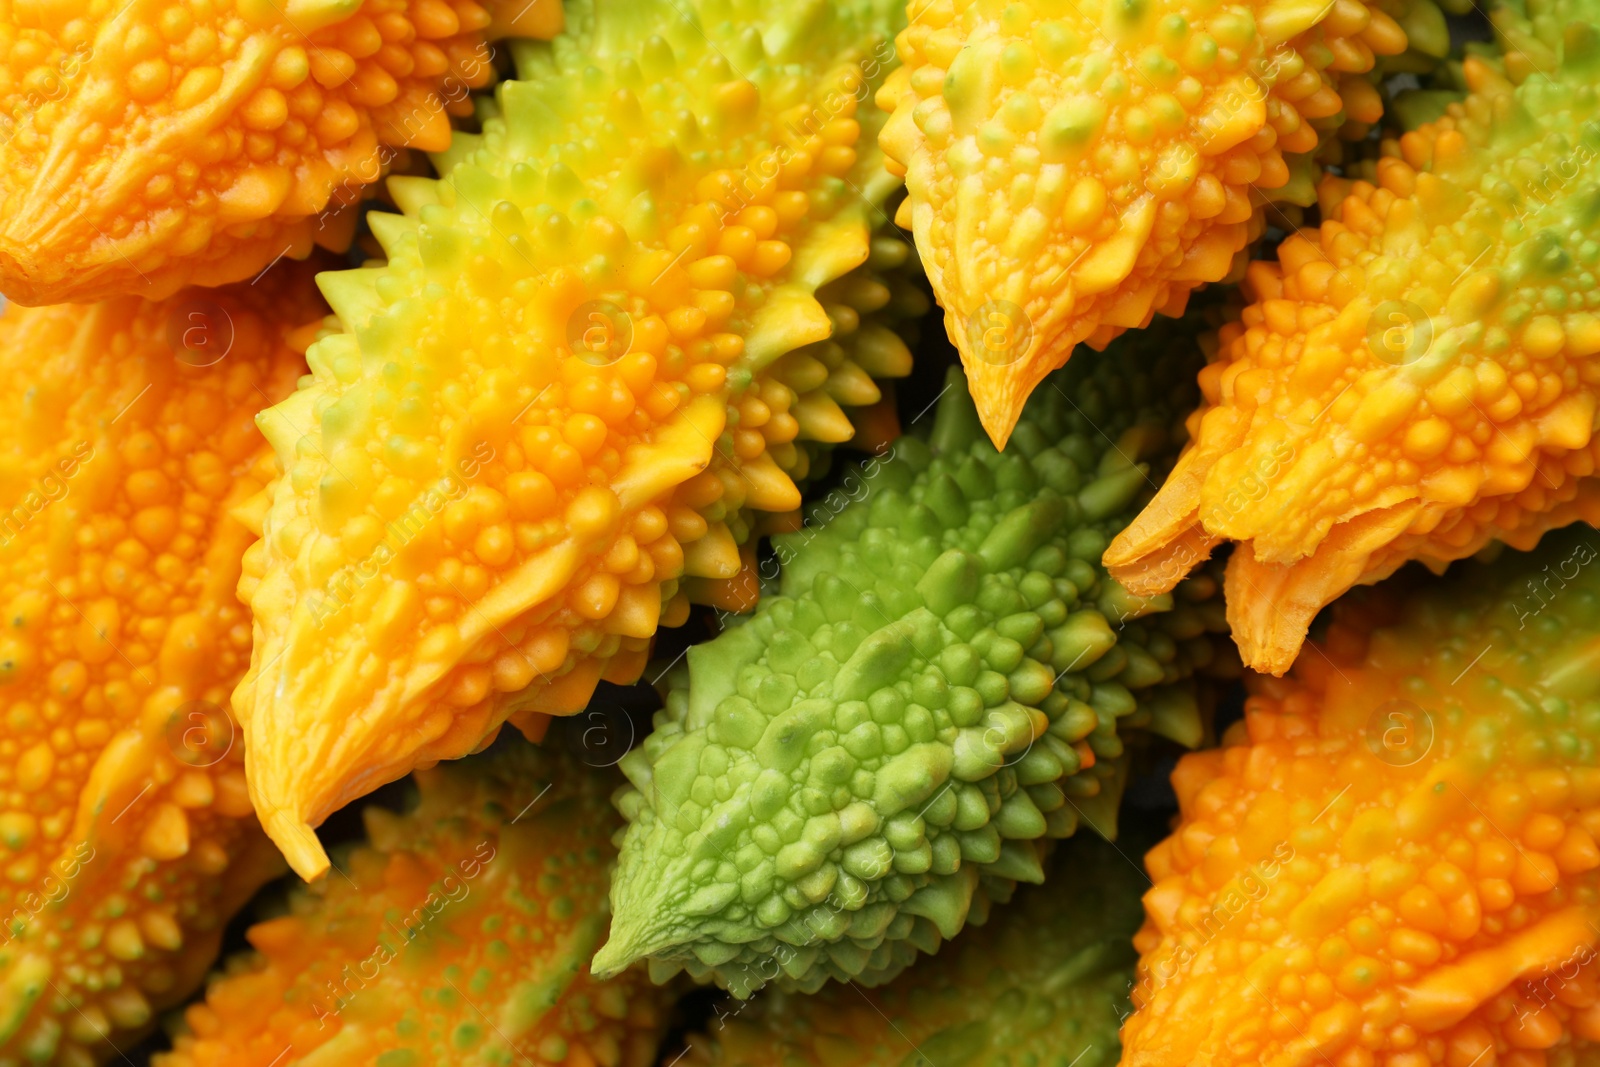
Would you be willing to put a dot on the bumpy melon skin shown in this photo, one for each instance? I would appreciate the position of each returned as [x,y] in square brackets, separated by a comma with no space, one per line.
[472,510]
[150,144]
[1074,169]
[941,686]
[1045,982]
[1392,859]
[126,833]
[1413,380]
[459,935]
[874,311]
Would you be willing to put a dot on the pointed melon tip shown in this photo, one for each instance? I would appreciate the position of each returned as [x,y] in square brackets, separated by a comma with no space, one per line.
[1267,644]
[643,923]
[20,279]
[999,418]
[298,842]
[626,947]
[999,392]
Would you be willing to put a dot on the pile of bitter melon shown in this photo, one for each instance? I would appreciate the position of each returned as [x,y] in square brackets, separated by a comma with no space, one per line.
[377,374]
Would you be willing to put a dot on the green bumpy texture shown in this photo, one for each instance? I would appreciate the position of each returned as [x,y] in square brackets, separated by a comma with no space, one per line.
[940,688]
[1044,985]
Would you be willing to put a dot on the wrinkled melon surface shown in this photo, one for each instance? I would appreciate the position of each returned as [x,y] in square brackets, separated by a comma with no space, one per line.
[942,685]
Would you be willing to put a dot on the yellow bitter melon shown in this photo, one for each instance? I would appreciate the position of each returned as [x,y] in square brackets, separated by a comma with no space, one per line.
[493,480]
[873,310]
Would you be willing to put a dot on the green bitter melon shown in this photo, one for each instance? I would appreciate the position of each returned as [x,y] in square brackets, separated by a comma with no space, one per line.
[939,688]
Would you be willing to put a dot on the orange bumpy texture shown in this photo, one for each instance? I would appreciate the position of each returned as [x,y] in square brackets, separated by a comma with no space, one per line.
[150,144]
[1414,379]
[598,338]
[1392,861]
[461,935]
[126,832]
[1073,170]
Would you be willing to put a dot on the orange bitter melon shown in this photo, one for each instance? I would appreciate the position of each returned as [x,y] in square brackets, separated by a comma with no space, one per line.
[150,144]
[1414,379]
[459,935]
[126,832]
[1392,859]
[496,477]
[1073,170]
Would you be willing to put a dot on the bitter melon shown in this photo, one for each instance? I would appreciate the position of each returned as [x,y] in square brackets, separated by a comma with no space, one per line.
[459,934]
[126,836]
[1045,983]
[1415,378]
[873,311]
[944,684]
[1075,168]
[1393,858]
[150,144]
[496,477]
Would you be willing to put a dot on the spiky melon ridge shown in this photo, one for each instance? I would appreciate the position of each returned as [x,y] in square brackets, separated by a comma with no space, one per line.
[941,687]
[1072,170]
[1044,982]
[1393,858]
[1414,379]
[460,934]
[495,513]
[126,837]
[829,390]
[151,144]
